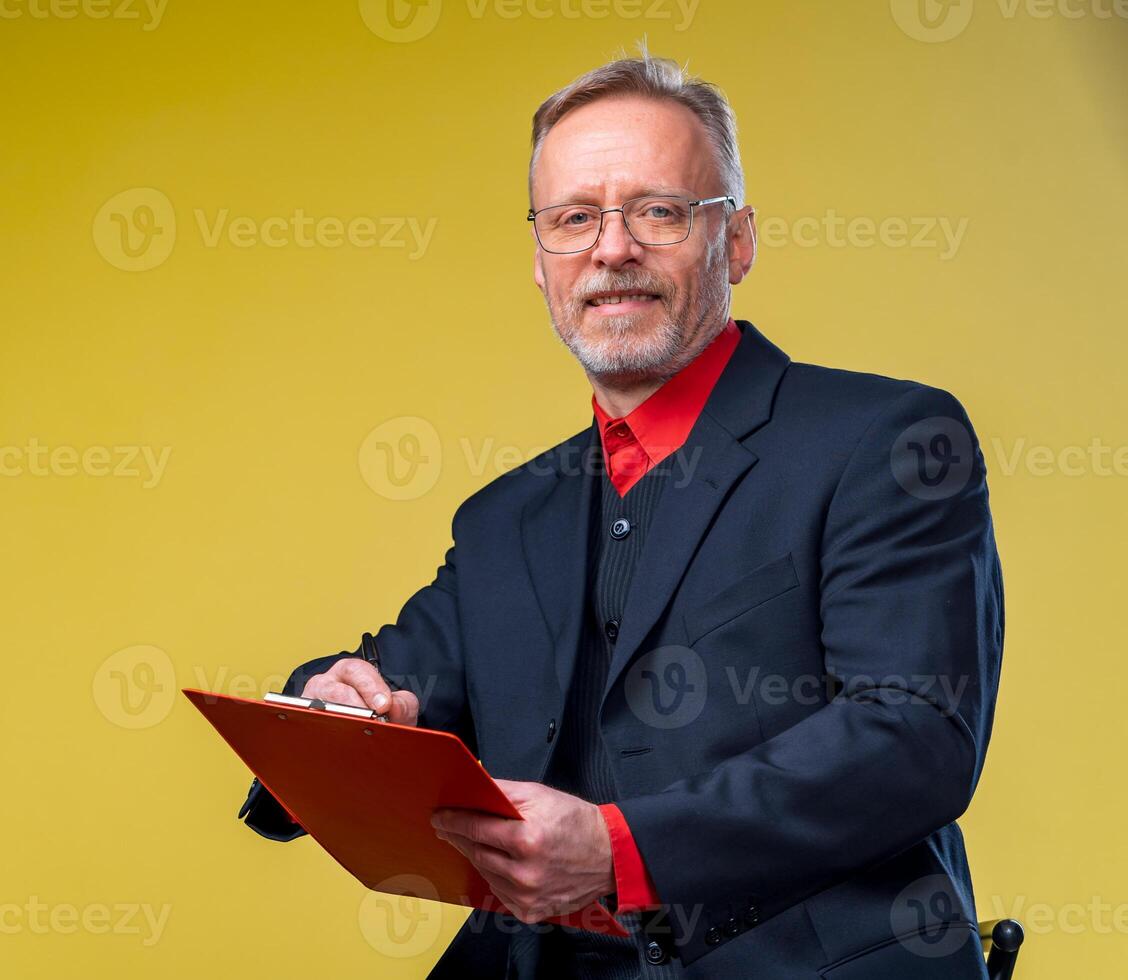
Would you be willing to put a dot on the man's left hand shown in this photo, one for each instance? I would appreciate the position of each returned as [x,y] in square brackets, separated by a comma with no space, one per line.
[556,860]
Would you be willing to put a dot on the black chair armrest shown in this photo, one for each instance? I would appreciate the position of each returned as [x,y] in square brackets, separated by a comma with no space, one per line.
[1001,939]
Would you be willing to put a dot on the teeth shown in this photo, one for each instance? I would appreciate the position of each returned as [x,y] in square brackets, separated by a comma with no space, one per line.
[600,300]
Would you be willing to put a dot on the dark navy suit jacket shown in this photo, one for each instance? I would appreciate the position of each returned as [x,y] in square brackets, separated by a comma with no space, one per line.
[801,693]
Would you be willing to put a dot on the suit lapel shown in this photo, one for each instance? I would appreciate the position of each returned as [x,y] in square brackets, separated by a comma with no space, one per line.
[714,459]
[554,533]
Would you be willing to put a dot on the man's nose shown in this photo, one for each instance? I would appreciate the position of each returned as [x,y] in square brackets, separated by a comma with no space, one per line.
[615,247]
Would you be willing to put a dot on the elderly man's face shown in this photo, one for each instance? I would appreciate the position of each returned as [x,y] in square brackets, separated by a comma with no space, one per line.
[608,152]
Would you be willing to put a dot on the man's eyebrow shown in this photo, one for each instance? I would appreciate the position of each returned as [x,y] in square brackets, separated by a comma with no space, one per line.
[647,191]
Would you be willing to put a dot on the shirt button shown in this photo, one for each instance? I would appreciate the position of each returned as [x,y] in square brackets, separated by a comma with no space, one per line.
[611,629]
[655,953]
[621,430]
[620,528]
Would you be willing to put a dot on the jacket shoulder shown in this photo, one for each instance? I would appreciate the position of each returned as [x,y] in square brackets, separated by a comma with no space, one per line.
[854,399]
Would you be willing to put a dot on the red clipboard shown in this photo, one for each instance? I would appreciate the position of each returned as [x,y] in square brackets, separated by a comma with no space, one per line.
[365,791]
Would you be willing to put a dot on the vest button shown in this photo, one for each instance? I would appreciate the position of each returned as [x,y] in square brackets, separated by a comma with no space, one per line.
[620,528]
[611,629]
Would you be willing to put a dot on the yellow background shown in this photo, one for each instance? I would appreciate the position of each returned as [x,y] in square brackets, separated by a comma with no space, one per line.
[264,369]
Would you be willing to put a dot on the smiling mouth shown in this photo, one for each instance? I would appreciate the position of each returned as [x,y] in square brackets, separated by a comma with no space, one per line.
[629,299]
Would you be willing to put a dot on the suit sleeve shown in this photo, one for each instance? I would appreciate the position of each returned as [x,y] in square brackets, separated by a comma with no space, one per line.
[420,652]
[912,623]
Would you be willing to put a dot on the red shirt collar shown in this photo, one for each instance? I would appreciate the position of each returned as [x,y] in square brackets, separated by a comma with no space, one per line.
[660,426]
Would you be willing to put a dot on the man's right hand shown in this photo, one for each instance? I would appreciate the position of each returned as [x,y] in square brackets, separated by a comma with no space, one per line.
[357,682]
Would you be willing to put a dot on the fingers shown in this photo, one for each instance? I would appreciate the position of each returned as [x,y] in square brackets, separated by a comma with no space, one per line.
[504,892]
[352,681]
[365,679]
[482,856]
[508,880]
[524,903]
[495,832]
[340,694]
[404,709]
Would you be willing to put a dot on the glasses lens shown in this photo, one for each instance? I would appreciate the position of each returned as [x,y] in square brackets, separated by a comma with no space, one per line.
[658,220]
[568,227]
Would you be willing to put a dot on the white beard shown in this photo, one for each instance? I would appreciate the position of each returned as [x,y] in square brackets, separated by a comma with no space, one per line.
[619,350]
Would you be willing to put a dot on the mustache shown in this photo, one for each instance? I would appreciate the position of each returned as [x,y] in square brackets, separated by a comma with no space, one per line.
[634,281]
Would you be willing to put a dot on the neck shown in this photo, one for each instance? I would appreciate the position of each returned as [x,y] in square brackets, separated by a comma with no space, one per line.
[621,394]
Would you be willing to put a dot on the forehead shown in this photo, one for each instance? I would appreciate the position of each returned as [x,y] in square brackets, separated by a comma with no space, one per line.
[624,145]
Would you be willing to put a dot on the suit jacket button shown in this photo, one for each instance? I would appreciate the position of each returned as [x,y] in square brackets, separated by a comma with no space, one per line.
[611,629]
[551,730]
[620,528]
[732,927]
[713,936]
[655,953]
[751,915]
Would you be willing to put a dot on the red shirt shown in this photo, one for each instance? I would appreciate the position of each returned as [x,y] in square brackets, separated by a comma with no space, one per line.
[635,443]
[632,445]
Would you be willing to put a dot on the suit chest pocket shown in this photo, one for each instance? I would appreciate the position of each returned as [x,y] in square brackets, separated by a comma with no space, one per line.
[758,586]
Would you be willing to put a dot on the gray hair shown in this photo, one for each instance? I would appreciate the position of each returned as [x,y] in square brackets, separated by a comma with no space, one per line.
[656,78]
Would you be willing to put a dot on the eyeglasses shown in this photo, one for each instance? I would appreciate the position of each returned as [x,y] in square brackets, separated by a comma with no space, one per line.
[653,220]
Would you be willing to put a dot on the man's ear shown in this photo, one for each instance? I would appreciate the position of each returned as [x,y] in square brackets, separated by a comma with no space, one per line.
[538,262]
[741,243]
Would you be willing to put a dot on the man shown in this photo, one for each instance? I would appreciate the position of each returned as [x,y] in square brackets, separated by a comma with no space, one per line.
[733,649]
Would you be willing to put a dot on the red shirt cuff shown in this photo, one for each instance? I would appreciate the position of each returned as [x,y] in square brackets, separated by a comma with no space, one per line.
[633,885]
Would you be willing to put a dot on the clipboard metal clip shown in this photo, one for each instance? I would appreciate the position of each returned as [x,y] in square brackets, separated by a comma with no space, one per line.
[317,704]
